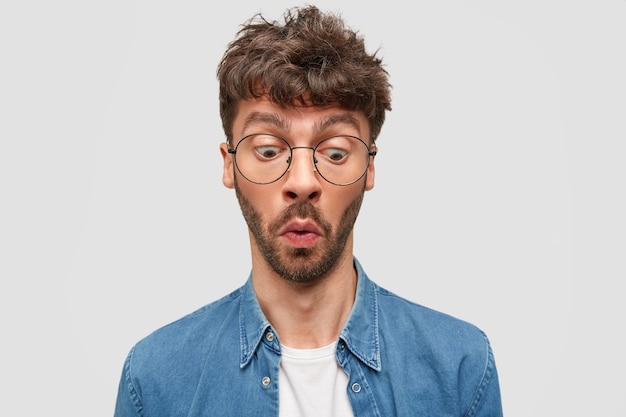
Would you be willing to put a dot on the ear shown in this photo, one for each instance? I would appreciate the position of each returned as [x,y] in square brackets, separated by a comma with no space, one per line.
[228,174]
[371,171]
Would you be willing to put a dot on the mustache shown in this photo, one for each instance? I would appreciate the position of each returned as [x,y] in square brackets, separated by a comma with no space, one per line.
[303,211]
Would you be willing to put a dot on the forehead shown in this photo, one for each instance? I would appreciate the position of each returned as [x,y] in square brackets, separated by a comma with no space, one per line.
[256,114]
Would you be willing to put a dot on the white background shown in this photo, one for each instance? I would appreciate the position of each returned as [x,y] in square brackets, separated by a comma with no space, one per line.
[499,193]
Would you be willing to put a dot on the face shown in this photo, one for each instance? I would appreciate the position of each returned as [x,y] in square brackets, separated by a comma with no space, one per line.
[300,225]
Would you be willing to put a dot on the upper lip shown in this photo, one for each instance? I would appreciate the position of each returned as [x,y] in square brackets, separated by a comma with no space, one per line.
[300,226]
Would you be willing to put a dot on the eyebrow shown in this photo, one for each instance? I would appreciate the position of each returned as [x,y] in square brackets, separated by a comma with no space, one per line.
[264,117]
[342,118]
[283,123]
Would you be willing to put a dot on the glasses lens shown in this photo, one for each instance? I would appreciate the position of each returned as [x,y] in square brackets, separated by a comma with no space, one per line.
[342,160]
[262,158]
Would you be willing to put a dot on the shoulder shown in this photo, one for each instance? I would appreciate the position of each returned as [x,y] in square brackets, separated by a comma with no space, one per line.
[162,370]
[454,353]
[442,332]
[191,334]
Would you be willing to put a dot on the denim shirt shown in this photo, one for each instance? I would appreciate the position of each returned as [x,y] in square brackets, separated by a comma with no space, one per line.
[402,359]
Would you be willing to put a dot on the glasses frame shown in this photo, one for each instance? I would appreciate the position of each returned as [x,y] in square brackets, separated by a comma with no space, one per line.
[370,152]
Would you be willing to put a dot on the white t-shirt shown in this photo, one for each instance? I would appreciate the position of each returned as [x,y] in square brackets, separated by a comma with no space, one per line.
[312,384]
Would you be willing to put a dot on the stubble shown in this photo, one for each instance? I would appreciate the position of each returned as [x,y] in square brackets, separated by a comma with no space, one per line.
[300,264]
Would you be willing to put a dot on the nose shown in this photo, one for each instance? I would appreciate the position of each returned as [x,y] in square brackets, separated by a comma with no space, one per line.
[302,180]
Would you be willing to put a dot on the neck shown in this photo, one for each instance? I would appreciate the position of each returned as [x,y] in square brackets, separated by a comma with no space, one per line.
[307,315]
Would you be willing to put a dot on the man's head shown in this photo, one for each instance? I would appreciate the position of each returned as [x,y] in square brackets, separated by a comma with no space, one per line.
[301,105]
[312,58]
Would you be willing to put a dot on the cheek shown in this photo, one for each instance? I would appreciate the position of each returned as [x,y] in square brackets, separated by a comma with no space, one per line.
[338,202]
[264,199]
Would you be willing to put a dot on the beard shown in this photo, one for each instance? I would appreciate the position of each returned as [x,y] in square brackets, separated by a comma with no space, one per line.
[300,264]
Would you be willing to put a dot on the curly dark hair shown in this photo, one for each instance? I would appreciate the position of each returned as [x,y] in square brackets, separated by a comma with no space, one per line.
[313,58]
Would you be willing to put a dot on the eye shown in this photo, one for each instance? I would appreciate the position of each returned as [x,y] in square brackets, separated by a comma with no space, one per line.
[335,154]
[267,151]
[336,149]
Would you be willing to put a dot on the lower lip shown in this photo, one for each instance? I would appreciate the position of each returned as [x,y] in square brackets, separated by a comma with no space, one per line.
[301,239]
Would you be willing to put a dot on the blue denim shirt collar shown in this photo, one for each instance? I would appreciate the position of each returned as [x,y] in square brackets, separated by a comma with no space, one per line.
[360,333]
[252,323]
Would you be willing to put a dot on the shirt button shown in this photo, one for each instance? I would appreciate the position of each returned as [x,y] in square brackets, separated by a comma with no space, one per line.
[265,381]
[356,387]
[269,336]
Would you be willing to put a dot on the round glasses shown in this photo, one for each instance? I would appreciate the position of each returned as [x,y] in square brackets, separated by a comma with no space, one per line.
[263,158]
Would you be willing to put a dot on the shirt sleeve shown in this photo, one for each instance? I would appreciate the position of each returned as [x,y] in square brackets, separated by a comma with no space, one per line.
[128,403]
[487,400]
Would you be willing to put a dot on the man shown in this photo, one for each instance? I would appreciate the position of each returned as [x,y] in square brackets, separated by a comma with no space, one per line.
[309,334]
